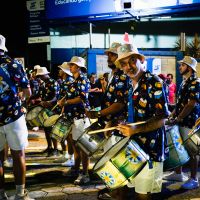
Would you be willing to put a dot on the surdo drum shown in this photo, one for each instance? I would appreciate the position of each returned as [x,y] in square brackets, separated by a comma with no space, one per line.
[32,116]
[121,163]
[178,155]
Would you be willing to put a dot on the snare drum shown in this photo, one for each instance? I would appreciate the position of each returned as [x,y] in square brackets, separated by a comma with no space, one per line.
[121,163]
[32,116]
[44,114]
[51,121]
[192,143]
[178,155]
[90,144]
[61,129]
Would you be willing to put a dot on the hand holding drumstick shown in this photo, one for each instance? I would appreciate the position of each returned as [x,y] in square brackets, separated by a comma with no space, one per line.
[128,129]
[115,127]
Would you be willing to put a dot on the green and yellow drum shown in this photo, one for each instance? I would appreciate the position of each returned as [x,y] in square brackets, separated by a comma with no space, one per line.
[121,163]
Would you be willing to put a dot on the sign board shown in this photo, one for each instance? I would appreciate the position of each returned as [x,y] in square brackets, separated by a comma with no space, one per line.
[153,65]
[38,30]
[97,9]
[56,9]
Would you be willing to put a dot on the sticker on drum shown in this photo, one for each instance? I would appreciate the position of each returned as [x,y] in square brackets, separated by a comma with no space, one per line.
[192,143]
[32,116]
[121,163]
[61,129]
[178,155]
[51,120]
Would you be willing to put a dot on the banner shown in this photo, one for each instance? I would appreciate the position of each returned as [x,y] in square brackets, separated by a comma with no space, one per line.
[56,9]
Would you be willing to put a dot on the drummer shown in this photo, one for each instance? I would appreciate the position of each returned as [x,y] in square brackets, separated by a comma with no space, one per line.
[147,102]
[75,109]
[48,95]
[186,113]
[114,102]
[66,81]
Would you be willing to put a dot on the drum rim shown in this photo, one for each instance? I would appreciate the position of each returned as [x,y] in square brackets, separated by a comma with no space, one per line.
[126,139]
[49,119]
[31,109]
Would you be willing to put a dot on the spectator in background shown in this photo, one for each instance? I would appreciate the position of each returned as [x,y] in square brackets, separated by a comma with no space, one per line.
[172,89]
[166,87]
[103,82]
[95,92]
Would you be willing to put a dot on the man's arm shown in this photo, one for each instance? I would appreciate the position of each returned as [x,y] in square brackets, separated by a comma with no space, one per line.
[186,110]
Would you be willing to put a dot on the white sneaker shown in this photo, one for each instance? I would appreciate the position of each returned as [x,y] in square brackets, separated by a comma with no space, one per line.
[176,177]
[82,179]
[69,163]
[35,128]
[8,163]
[62,159]
[23,197]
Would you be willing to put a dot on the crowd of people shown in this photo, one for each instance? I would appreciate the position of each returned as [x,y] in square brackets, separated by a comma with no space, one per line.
[126,95]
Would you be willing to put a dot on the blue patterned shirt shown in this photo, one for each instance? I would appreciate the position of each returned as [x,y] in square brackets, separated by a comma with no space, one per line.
[12,77]
[80,88]
[189,90]
[149,100]
[117,92]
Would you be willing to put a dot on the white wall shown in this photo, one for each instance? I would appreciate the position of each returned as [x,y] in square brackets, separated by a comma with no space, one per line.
[141,41]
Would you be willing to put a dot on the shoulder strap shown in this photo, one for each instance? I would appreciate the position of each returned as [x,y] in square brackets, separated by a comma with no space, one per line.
[7,79]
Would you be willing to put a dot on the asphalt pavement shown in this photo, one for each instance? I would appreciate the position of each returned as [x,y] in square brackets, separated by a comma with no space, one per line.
[48,180]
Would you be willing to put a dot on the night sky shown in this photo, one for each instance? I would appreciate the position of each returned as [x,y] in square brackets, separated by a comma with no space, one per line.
[13,26]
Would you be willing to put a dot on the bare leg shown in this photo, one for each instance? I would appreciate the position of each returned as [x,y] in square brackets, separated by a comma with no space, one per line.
[194,166]
[19,166]
[2,180]
[70,145]
[48,139]
[85,161]
[77,156]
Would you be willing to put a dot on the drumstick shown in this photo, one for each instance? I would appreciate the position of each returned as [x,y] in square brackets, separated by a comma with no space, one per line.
[57,105]
[113,128]
[196,124]
[54,107]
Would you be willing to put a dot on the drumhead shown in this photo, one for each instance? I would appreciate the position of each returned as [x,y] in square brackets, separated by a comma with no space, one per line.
[111,152]
[33,113]
[51,120]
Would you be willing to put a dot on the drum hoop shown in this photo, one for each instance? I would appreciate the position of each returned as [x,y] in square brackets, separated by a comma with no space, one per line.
[126,138]
[31,109]
[58,116]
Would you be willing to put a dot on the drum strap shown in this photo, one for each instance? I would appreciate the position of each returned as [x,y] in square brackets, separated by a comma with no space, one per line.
[130,106]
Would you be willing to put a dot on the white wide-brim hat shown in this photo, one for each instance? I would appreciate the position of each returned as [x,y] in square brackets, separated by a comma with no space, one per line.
[127,50]
[79,61]
[113,48]
[190,61]
[65,68]
[42,71]
[36,67]
[3,43]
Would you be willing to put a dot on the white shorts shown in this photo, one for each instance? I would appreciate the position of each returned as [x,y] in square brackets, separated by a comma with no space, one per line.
[79,126]
[15,134]
[149,180]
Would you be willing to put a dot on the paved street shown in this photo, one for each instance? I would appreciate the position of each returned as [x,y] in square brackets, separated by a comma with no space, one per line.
[47,180]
